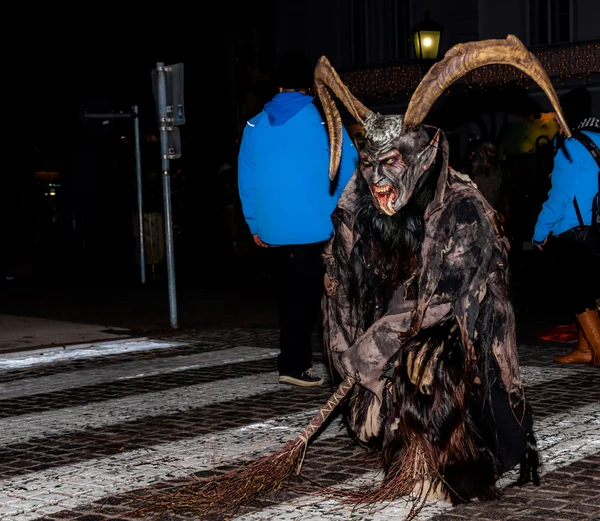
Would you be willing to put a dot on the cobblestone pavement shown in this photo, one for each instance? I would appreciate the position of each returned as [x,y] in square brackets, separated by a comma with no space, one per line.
[92,434]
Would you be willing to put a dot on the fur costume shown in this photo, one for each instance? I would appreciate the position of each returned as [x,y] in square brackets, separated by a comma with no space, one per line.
[417,308]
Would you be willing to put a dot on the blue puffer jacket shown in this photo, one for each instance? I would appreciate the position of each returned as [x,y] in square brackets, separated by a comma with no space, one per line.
[573,176]
[283,165]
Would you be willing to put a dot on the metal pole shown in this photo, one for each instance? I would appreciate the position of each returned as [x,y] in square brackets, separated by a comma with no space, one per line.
[138,172]
[138,167]
[164,152]
[107,115]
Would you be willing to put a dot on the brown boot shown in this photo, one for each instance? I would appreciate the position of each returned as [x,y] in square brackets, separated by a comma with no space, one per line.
[582,354]
[590,325]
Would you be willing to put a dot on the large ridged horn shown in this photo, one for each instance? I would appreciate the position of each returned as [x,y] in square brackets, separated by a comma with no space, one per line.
[325,76]
[465,57]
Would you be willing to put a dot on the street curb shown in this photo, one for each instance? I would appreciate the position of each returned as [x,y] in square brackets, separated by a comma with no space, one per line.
[66,347]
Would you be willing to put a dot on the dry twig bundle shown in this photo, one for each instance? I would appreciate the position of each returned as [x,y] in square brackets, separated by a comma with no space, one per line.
[229,491]
[411,477]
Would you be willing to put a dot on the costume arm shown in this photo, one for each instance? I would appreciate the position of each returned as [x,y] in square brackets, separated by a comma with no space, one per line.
[458,260]
[246,175]
[339,315]
[554,207]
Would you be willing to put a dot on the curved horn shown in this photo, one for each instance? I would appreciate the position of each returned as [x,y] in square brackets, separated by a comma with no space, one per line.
[465,57]
[325,76]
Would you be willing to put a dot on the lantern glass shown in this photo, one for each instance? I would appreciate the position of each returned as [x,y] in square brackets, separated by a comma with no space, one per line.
[426,37]
[427,44]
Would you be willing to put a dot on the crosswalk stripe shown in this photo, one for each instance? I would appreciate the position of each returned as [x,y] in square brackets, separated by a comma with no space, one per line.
[109,412]
[533,375]
[62,486]
[209,358]
[28,359]
[134,369]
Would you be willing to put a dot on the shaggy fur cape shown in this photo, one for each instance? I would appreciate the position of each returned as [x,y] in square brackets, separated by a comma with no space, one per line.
[417,310]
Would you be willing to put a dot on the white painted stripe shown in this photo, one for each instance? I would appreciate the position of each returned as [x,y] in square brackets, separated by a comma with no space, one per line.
[143,368]
[315,507]
[102,414]
[563,439]
[26,359]
[134,369]
[532,375]
[72,485]
[110,412]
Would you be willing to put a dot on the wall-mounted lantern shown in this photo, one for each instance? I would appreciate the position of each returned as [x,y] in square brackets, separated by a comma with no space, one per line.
[426,37]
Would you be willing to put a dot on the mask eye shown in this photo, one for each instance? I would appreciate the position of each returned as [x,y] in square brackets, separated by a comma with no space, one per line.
[389,161]
[366,163]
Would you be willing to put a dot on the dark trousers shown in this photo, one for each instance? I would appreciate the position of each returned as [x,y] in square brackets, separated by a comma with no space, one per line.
[300,288]
[573,275]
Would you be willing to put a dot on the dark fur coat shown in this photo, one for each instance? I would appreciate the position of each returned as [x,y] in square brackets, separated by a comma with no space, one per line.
[426,327]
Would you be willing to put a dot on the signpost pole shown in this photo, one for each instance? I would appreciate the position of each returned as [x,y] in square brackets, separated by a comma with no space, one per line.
[138,172]
[164,152]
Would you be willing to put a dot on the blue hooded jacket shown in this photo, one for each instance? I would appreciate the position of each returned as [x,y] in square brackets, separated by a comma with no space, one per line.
[573,176]
[283,165]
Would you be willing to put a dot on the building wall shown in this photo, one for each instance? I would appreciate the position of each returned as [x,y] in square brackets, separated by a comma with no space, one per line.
[313,27]
[587,19]
[324,28]
[498,19]
[319,27]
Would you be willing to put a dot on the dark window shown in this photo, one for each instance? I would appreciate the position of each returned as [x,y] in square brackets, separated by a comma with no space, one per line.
[550,21]
[359,32]
[563,22]
[394,26]
[402,37]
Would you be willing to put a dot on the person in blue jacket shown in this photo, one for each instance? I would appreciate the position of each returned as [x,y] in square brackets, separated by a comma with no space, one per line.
[287,200]
[575,175]
[574,178]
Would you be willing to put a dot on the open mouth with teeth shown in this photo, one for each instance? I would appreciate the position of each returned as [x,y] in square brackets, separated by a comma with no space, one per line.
[386,196]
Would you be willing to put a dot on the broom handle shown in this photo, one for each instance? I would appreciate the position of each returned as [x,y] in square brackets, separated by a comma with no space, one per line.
[322,414]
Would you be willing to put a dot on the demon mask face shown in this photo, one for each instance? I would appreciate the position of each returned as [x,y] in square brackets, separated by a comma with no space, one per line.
[392,161]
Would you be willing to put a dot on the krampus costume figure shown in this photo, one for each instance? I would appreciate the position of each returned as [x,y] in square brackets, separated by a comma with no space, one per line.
[417,307]
[419,328]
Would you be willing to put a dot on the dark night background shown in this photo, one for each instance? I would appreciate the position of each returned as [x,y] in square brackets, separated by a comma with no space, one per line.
[60,63]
